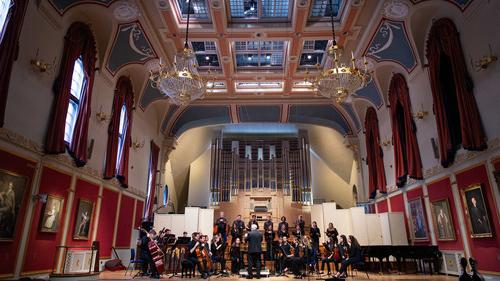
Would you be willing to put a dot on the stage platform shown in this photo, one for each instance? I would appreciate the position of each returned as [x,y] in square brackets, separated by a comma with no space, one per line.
[119,275]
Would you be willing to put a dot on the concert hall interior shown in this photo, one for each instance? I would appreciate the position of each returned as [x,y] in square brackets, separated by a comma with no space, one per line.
[233,139]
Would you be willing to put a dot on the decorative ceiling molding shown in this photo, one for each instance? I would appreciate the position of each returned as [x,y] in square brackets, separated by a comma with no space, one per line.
[461,4]
[259,113]
[352,114]
[371,93]
[390,43]
[150,95]
[323,115]
[130,46]
[199,116]
[62,6]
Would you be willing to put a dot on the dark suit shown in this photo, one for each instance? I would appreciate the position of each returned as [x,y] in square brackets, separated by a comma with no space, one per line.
[254,240]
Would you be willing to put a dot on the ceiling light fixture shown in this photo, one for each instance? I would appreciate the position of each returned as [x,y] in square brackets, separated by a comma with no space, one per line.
[339,80]
[181,82]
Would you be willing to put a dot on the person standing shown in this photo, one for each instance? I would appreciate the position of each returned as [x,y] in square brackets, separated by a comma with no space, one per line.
[239,225]
[252,221]
[148,262]
[269,236]
[222,227]
[332,232]
[283,223]
[315,235]
[301,223]
[254,240]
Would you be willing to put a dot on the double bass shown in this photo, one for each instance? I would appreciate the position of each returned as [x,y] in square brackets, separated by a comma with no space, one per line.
[156,253]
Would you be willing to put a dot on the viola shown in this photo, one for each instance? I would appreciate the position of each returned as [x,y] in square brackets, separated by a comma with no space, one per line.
[156,253]
[336,253]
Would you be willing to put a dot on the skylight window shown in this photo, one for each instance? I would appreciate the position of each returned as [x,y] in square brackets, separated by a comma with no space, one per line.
[216,87]
[206,54]
[198,9]
[263,54]
[313,53]
[259,87]
[321,8]
[260,9]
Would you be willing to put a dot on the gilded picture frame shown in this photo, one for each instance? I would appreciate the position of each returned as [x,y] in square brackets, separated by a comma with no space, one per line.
[83,219]
[418,221]
[443,220]
[50,218]
[13,189]
[476,211]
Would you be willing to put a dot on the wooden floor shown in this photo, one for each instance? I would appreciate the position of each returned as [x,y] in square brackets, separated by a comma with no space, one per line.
[119,275]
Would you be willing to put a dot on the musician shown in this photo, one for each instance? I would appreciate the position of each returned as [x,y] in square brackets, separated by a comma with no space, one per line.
[254,240]
[193,258]
[298,232]
[308,256]
[235,234]
[146,255]
[301,223]
[290,260]
[222,226]
[252,221]
[236,256]
[315,235]
[217,248]
[269,236]
[354,257]
[283,231]
[283,222]
[327,255]
[332,232]
[240,226]
[343,247]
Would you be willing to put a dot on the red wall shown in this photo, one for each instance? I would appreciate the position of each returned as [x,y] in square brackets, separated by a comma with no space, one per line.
[139,209]
[382,207]
[442,190]
[410,195]
[125,222]
[10,249]
[107,219]
[87,191]
[41,248]
[398,205]
[485,250]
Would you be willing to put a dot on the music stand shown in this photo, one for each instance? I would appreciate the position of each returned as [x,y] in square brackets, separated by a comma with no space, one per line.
[181,242]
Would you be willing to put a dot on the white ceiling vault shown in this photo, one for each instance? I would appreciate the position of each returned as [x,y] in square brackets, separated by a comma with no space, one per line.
[259,51]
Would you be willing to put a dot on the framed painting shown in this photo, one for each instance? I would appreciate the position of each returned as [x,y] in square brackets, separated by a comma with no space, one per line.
[83,219]
[476,211]
[418,223]
[12,191]
[443,220]
[51,214]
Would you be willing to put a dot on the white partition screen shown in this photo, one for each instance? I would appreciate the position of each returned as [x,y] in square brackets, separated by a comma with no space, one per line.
[328,213]
[374,229]
[191,219]
[359,229]
[178,225]
[342,221]
[206,222]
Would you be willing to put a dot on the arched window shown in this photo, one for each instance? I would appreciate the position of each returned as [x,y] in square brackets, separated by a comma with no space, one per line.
[119,132]
[11,22]
[73,94]
[374,154]
[153,167]
[457,116]
[406,153]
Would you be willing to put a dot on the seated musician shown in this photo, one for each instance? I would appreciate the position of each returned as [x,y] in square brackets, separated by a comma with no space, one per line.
[217,248]
[146,255]
[354,257]
[327,255]
[343,247]
[283,231]
[193,258]
[297,232]
[252,221]
[308,255]
[236,256]
[290,259]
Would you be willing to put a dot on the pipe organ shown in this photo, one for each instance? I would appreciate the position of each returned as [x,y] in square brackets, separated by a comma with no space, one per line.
[246,163]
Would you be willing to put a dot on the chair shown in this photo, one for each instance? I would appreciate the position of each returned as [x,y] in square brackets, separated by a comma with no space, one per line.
[361,265]
[133,261]
[187,269]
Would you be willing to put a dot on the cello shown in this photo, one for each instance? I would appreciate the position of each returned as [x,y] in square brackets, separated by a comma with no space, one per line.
[157,254]
[204,257]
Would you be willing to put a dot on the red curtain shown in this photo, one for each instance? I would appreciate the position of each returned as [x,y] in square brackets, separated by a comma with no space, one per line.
[9,45]
[79,41]
[124,95]
[406,152]
[374,154]
[444,45]
[153,167]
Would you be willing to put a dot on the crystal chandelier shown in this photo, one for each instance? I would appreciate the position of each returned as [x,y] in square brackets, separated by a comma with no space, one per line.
[181,82]
[339,80]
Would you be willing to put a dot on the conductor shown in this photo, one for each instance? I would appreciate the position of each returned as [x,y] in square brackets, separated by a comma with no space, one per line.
[254,240]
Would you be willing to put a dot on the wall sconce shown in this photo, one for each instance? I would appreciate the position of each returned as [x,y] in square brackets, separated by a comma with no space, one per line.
[41,65]
[420,115]
[484,62]
[101,116]
[386,143]
[137,145]
[42,197]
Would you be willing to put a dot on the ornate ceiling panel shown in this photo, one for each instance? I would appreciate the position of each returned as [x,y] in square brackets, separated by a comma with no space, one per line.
[198,116]
[63,5]
[323,115]
[259,113]
[372,94]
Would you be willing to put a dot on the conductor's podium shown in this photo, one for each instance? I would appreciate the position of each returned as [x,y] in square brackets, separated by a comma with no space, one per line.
[264,272]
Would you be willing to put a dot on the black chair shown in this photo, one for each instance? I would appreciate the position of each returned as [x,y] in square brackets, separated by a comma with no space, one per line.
[361,265]
[133,261]
[187,269]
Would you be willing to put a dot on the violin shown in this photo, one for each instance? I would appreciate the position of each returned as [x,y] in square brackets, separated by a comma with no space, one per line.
[156,253]
[336,253]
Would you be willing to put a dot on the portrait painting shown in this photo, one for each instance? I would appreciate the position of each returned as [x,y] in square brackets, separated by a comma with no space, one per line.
[12,191]
[443,220]
[476,211]
[51,215]
[83,219]
[418,222]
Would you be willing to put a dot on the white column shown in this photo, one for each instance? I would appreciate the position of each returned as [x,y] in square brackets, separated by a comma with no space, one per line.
[495,188]
[460,215]
[97,212]
[428,210]
[407,214]
[67,217]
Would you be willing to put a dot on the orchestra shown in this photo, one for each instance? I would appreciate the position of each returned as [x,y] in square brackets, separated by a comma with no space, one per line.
[299,255]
